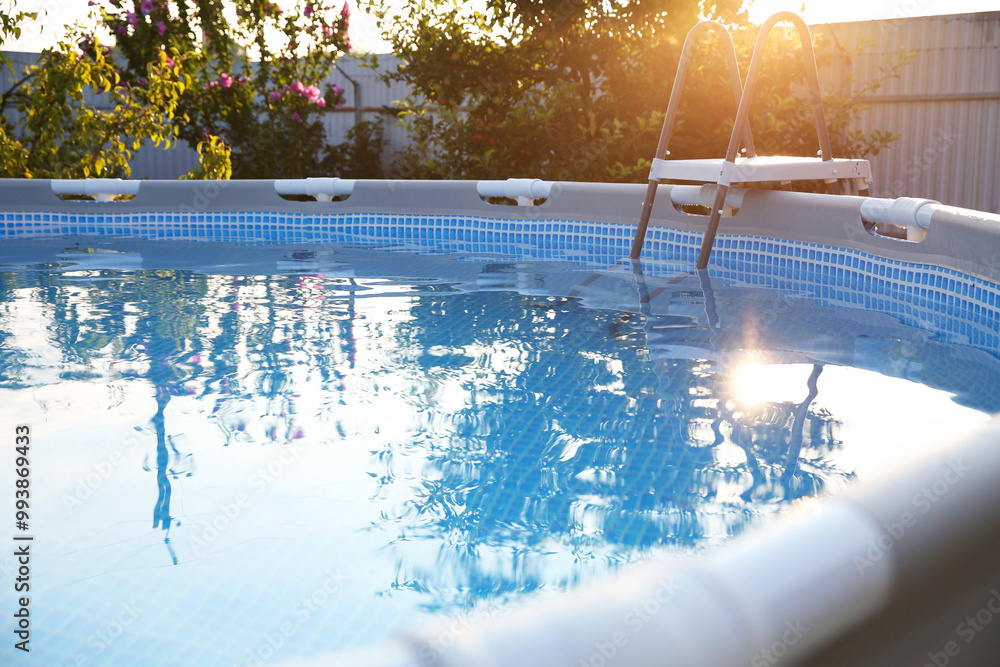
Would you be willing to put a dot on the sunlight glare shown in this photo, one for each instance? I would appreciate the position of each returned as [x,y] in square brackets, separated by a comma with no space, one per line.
[860,400]
[755,384]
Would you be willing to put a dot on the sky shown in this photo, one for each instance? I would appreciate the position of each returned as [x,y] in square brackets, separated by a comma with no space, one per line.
[365,36]
[824,11]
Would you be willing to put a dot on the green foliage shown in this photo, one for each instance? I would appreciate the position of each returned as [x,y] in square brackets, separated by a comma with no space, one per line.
[10,26]
[51,133]
[541,88]
[360,155]
[255,81]
[54,135]
[214,161]
[577,91]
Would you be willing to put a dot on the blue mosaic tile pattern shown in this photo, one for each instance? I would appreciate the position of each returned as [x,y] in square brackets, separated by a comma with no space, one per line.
[959,307]
[966,308]
[537,239]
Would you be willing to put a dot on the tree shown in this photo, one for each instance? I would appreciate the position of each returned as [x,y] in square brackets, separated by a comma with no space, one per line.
[47,132]
[576,90]
[255,73]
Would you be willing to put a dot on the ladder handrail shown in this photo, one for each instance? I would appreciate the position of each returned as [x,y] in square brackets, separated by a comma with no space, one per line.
[735,78]
[680,75]
[812,76]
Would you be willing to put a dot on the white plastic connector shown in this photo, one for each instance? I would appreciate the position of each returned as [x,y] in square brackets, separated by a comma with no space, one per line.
[524,190]
[323,189]
[101,189]
[913,214]
[704,195]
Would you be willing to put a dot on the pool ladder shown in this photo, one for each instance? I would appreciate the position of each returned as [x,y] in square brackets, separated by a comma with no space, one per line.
[732,169]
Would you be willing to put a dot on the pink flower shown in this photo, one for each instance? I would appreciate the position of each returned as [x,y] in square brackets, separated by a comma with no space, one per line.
[295,117]
[346,11]
[321,103]
[160,28]
[169,61]
[133,19]
[275,96]
[298,87]
[225,80]
[312,92]
[146,7]
[308,11]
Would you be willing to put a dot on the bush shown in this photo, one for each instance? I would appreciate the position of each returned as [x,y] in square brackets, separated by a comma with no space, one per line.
[577,91]
[255,82]
[52,134]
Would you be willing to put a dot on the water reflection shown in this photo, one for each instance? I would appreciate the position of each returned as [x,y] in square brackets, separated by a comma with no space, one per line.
[526,426]
[584,434]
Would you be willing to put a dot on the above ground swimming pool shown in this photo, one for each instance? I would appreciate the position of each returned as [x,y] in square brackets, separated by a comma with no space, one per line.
[264,430]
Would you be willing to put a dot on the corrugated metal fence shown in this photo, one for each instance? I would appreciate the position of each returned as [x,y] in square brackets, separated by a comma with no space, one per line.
[945,106]
[376,100]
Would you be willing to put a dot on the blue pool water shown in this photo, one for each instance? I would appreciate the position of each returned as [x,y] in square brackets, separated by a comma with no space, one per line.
[248,454]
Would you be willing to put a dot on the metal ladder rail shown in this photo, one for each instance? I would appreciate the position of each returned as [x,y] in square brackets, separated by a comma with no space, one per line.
[742,116]
[668,121]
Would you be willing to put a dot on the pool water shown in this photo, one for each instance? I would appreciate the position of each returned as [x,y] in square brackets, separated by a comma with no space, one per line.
[247,456]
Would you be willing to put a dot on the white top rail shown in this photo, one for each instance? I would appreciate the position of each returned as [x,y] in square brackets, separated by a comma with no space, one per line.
[515,188]
[704,195]
[914,215]
[323,189]
[101,189]
[904,211]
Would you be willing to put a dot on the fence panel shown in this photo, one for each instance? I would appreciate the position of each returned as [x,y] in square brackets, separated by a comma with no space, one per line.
[945,106]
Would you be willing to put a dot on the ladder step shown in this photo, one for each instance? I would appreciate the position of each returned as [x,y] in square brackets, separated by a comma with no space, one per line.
[760,169]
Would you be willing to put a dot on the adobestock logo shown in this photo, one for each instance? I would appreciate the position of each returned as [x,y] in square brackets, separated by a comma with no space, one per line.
[634,621]
[923,501]
[793,633]
[967,630]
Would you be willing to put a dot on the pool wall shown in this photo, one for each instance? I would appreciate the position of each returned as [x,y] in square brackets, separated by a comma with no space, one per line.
[600,217]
